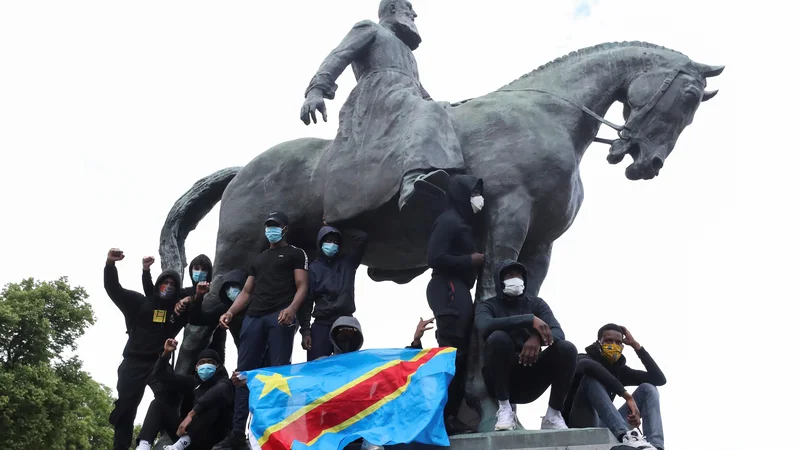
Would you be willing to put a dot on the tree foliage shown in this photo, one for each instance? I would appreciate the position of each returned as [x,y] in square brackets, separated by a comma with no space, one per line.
[46,400]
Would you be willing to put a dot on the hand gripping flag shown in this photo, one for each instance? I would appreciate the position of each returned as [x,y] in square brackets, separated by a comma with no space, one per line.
[384,396]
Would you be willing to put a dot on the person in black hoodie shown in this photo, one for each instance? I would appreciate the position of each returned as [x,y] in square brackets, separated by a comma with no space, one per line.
[230,288]
[516,370]
[453,256]
[331,288]
[601,375]
[149,321]
[211,392]
[201,271]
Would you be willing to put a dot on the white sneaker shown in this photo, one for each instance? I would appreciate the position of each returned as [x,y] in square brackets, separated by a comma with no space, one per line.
[506,420]
[554,422]
[635,439]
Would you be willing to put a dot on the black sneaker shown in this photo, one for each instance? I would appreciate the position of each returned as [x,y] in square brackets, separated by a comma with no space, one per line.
[454,426]
[234,441]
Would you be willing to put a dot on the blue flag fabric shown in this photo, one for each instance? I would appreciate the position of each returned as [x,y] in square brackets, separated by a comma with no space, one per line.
[384,396]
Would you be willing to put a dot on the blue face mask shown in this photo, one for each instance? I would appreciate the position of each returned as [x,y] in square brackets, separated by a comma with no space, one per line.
[233,292]
[199,275]
[330,249]
[274,234]
[206,371]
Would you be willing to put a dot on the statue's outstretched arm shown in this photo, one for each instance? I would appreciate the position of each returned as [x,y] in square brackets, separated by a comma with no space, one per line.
[357,40]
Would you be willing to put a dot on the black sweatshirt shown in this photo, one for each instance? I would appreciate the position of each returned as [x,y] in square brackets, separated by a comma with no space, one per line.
[331,281]
[613,376]
[150,320]
[217,391]
[514,314]
[452,240]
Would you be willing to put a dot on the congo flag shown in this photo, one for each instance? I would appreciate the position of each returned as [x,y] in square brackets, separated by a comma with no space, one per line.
[384,396]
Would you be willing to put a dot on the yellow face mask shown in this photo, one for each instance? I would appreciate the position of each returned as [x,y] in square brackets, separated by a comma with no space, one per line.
[612,352]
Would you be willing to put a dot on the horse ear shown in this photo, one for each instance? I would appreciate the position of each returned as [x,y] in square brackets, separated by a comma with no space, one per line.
[710,71]
[708,95]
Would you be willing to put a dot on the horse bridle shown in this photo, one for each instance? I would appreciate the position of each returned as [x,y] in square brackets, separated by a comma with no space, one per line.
[630,128]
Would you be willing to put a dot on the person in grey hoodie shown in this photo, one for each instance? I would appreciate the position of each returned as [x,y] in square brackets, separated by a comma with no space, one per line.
[331,283]
[516,370]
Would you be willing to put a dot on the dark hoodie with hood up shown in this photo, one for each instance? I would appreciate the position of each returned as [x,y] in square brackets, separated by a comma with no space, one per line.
[199,260]
[211,317]
[150,320]
[452,240]
[359,338]
[216,392]
[514,314]
[613,376]
[331,281]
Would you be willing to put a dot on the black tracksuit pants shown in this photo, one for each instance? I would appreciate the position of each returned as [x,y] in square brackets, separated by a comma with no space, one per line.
[206,428]
[132,379]
[162,415]
[507,379]
[451,303]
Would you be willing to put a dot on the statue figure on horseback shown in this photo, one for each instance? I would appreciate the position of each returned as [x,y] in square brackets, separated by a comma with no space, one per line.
[389,128]
[525,141]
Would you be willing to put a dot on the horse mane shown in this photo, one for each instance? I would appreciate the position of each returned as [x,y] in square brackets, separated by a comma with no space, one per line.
[589,51]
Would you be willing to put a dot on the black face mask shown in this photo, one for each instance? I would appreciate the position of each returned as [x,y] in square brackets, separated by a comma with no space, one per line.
[347,345]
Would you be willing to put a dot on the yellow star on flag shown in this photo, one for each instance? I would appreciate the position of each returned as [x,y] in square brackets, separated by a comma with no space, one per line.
[274,381]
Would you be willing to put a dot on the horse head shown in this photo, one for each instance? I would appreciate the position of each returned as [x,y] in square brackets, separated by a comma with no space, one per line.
[658,105]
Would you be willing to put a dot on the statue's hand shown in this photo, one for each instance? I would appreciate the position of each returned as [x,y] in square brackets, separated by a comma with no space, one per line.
[314,102]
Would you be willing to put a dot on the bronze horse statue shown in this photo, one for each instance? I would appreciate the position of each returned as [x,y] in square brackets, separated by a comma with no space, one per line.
[525,140]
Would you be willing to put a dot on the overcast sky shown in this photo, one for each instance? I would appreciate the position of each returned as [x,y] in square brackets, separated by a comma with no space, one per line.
[109,111]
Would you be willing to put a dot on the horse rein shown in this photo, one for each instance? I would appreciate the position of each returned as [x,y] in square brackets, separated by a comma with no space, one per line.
[626,131]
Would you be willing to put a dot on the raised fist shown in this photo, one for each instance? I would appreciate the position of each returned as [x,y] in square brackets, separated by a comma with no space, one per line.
[202,288]
[170,345]
[115,255]
[147,261]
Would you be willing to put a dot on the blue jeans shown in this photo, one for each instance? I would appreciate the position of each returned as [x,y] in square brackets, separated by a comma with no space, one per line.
[263,342]
[593,407]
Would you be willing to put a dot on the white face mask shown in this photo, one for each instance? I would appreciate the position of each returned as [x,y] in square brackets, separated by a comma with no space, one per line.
[477,203]
[514,287]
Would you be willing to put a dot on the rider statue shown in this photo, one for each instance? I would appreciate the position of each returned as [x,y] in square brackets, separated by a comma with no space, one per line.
[391,135]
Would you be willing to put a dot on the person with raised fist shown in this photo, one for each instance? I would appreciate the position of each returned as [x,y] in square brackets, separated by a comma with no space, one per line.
[149,321]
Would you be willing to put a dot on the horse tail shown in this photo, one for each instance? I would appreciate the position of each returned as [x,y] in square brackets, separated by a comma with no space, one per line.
[187,212]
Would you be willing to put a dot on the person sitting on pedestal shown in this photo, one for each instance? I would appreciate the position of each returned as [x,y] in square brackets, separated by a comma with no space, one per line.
[601,374]
[209,419]
[516,370]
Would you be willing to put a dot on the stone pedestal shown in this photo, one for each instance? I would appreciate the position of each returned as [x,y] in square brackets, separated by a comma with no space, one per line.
[578,439]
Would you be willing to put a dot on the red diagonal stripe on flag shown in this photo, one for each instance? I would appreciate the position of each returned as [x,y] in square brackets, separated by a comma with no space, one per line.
[346,405]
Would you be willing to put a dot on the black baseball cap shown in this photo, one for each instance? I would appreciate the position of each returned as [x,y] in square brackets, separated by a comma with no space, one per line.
[278,217]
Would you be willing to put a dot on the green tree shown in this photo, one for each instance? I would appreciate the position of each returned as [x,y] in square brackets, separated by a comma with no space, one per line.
[46,400]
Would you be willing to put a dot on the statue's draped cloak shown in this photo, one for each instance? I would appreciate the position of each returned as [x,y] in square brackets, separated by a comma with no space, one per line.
[387,127]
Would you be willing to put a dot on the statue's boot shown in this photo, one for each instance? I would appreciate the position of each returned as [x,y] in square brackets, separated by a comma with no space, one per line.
[419,188]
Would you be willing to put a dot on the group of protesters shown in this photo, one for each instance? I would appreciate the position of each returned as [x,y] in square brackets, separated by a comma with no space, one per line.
[526,351]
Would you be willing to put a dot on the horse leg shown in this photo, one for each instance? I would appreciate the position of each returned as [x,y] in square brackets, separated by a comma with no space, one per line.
[509,218]
[537,263]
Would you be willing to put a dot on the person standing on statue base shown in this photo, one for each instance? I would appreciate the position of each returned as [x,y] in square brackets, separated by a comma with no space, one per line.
[332,278]
[516,370]
[601,375]
[149,320]
[273,294]
[452,254]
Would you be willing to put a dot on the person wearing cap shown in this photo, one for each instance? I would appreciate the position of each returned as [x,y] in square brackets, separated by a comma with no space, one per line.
[212,393]
[274,292]
[332,278]
[515,326]
[149,320]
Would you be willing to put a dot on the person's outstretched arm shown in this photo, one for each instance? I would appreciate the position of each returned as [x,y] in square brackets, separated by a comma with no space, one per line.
[126,300]
[147,278]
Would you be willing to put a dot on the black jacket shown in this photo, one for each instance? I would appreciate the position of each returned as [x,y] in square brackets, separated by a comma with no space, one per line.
[217,391]
[199,260]
[147,327]
[205,317]
[331,281]
[514,314]
[452,240]
[613,376]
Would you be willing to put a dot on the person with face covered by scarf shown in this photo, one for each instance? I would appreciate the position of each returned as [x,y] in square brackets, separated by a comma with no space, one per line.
[452,254]
[516,370]
[211,392]
[149,320]
[602,374]
[331,288]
